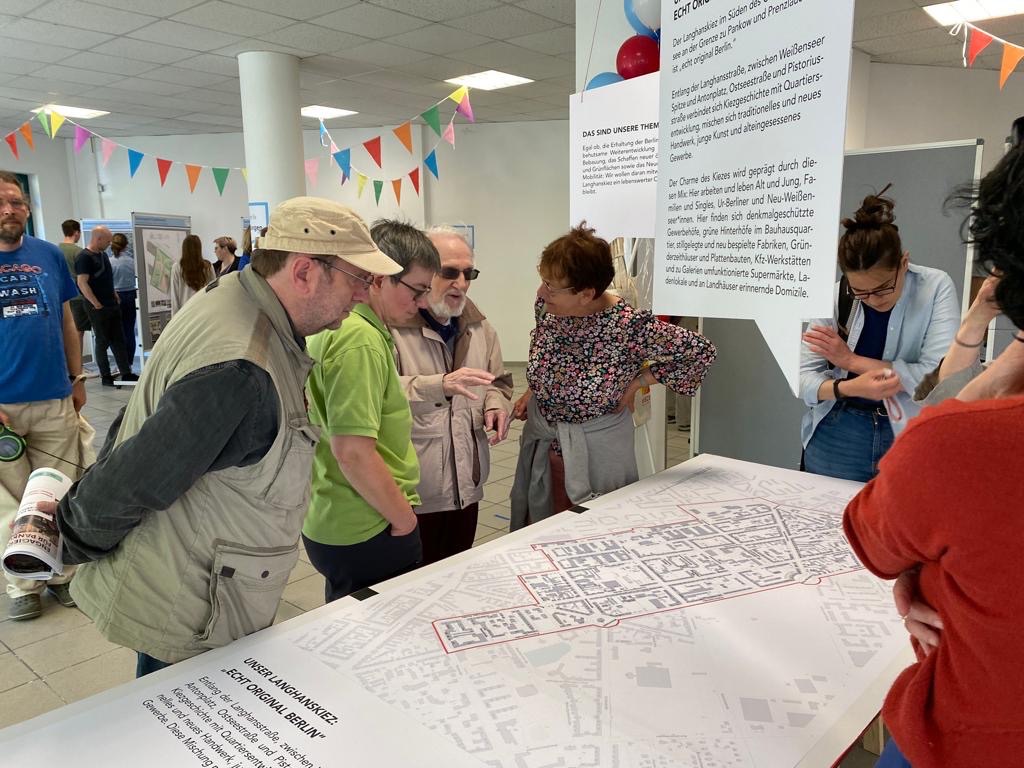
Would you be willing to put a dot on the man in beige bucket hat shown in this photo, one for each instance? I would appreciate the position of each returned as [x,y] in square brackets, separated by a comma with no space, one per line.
[188,524]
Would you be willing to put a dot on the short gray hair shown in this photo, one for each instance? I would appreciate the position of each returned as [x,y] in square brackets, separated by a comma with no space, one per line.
[447,230]
[406,245]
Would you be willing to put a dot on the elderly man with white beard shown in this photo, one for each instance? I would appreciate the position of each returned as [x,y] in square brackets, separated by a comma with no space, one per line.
[450,364]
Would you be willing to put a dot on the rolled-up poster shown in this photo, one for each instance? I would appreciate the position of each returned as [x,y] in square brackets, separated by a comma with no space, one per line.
[34,551]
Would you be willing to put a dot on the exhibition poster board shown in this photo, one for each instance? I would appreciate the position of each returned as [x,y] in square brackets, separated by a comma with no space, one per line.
[158,238]
[752,124]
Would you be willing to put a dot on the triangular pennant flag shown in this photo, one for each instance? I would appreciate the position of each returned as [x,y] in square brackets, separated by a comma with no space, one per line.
[373,147]
[344,160]
[56,121]
[414,177]
[360,183]
[977,41]
[431,162]
[81,136]
[378,185]
[245,175]
[404,135]
[1012,54]
[12,142]
[44,120]
[433,119]
[108,149]
[334,147]
[466,109]
[220,175]
[396,184]
[449,133]
[26,131]
[323,134]
[193,172]
[458,95]
[134,161]
[163,166]
[312,170]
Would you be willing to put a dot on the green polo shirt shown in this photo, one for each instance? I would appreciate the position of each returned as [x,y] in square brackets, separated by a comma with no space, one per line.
[354,389]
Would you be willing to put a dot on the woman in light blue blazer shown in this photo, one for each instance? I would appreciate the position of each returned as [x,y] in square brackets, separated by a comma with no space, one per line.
[858,372]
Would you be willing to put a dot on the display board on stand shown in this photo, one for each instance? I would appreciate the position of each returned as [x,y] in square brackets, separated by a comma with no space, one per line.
[158,238]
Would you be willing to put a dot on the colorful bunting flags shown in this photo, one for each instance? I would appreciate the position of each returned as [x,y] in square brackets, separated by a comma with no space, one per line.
[344,160]
[396,184]
[12,142]
[108,149]
[163,166]
[323,134]
[414,177]
[977,41]
[56,121]
[26,131]
[193,172]
[404,134]
[431,162]
[466,109]
[81,136]
[134,161]
[1011,58]
[312,170]
[373,148]
[44,120]
[449,133]
[360,183]
[220,175]
[432,118]
[378,185]
[458,95]
[245,175]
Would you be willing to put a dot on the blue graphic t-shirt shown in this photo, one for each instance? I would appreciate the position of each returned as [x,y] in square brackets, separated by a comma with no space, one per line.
[34,284]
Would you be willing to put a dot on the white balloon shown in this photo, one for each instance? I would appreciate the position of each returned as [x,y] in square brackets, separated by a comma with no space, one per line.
[649,12]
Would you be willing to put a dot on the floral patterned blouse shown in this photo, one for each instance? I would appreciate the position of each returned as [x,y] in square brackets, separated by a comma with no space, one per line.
[580,366]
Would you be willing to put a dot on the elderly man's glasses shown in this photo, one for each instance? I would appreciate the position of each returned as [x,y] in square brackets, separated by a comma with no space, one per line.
[885,290]
[16,203]
[366,282]
[451,273]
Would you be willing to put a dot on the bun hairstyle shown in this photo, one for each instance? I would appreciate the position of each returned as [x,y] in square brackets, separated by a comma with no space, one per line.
[871,239]
[996,228]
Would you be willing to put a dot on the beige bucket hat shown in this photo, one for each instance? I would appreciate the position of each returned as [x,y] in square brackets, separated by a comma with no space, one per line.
[323,227]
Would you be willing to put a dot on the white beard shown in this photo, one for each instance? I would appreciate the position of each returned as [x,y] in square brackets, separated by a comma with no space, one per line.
[443,313]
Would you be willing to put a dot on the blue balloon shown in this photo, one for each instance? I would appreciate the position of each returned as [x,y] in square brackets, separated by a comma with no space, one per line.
[635,23]
[602,79]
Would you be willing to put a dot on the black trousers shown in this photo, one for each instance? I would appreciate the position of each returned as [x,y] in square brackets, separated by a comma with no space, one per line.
[106,324]
[349,568]
[127,308]
[447,533]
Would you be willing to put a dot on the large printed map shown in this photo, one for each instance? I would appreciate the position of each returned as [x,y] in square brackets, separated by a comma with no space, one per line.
[711,616]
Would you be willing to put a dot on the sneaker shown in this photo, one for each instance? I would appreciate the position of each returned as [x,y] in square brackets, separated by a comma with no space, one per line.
[107,381]
[63,594]
[129,377]
[25,607]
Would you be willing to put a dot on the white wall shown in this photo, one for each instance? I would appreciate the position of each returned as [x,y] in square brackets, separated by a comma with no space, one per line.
[916,105]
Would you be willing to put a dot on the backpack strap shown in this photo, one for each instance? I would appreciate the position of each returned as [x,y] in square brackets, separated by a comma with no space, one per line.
[844,309]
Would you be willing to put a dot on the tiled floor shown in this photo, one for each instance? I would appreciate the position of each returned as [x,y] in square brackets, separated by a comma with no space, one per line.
[60,657]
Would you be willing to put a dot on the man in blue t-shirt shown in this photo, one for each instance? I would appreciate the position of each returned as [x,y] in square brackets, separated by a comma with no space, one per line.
[42,387]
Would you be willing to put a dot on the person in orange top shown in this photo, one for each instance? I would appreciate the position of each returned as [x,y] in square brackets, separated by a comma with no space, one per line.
[944,506]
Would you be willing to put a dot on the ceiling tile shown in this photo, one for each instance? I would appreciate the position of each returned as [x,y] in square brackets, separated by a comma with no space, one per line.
[91,16]
[185,35]
[78,75]
[11,66]
[45,87]
[438,10]
[251,44]
[33,51]
[438,68]
[371,21]
[20,7]
[44,32]
[886,24]
[189,77]
[145,51]
[313,38]
[225,17]
[552,41]
[383,54]
[397,81]
[927,38]
[158,8]
[334,67]
[439,39]
[138,85]
[208,62]
[229,86]
[206,117]
[297,9]
[102,63]
[559,10]
[504,22]
[516,61]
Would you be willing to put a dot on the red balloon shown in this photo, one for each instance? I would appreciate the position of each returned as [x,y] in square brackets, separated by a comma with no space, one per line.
[637,56]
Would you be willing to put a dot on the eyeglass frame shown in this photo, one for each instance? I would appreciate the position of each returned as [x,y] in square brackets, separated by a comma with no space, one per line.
[366,282]
[417,293]
[18,205]
[470,273]
[886,291]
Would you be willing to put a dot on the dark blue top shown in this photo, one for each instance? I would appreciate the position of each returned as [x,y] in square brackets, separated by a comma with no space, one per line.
[446,332]
[871,342]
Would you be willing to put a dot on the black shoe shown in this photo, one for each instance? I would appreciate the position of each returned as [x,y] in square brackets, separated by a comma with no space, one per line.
[129,377]
[107,381]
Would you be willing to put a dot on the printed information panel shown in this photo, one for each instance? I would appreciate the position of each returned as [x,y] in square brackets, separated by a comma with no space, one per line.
[752,122]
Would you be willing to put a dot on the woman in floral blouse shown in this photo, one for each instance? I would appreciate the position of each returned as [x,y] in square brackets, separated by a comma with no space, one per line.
[589,354]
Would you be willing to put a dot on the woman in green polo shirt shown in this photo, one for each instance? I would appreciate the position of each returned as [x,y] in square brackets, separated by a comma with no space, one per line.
[361,527]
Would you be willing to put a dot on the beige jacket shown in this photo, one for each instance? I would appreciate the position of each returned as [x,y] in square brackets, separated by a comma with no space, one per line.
[448,434]
[211,567]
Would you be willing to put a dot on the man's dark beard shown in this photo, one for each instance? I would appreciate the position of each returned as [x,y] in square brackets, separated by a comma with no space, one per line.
[7,232]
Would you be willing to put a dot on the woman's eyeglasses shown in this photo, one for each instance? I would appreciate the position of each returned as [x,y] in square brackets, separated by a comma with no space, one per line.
[883,291]
[451,273]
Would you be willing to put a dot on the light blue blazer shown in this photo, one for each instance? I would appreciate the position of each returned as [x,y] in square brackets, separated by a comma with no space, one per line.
[921,328]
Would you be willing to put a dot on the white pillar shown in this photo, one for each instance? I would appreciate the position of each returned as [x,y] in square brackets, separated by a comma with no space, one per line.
[271,126]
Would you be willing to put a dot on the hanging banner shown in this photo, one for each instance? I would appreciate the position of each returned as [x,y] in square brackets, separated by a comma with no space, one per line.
[753,108]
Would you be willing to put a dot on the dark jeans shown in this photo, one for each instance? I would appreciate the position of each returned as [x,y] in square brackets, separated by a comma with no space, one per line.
[351,567]
[447,533]
[106,325]
[147,664]
[128,320]
[848,444]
